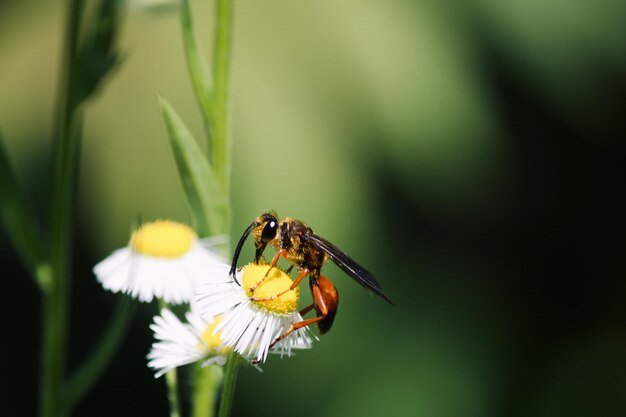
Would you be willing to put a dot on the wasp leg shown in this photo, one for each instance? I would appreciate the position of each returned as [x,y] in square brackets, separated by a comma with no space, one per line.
[295,327]
[325,304]
[275,259]
[292,329]
[306,309]
[288,270]
[303,273]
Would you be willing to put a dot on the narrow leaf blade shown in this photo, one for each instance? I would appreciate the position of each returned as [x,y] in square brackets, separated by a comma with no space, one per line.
[17,219]
[205,196]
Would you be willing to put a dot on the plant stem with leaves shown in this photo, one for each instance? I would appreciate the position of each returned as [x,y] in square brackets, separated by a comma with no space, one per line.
[65,174]
[205,177]
[88,56]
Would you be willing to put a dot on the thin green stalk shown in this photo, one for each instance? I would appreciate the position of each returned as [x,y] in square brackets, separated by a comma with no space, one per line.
[171,377]
[171,380]
[228,390]
[55,309]
[199,73]
[222,54]
[221,60]
[214,101]
[207,382]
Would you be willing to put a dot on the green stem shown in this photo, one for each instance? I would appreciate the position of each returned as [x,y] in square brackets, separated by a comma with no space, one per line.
[221,61]
[207,380]
[216,112]
[222,54]
[228,391]
[199,73]
[55,309]
[171,380]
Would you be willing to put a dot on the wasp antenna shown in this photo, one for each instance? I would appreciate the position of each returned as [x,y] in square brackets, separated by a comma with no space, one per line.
[244,236]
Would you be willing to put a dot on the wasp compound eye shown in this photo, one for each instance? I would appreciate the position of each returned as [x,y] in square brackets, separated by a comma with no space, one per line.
[269,231]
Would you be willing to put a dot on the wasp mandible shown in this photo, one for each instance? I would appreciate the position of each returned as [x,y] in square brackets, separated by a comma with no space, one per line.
[296,242]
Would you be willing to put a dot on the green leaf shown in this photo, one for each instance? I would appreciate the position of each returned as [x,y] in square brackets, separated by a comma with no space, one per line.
[97,56]
[17,218]
[207,199]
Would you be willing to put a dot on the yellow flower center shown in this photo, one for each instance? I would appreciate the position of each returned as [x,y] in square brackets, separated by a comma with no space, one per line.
[163,239]
[276,282]
[212,341]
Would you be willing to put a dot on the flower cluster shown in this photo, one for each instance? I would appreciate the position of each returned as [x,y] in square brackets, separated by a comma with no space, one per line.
[250,327]
[167,261]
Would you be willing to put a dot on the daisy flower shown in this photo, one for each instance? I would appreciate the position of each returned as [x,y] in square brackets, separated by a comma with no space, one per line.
[163,259]
[184,343]
[251,327]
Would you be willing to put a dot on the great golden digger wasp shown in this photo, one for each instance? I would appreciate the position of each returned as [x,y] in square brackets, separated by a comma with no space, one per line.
[296,242]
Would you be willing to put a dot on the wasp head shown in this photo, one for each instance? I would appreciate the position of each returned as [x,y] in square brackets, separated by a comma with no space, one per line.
[264,229]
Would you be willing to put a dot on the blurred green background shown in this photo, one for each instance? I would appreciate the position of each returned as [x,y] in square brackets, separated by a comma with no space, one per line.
[470,154]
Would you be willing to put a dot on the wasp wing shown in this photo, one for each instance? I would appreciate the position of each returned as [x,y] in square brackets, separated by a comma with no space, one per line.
[349,265]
